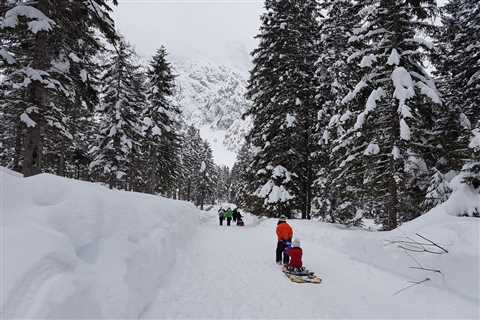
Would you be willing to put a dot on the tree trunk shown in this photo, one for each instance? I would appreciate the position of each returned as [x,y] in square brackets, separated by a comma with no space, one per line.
[18,147]
[33,152]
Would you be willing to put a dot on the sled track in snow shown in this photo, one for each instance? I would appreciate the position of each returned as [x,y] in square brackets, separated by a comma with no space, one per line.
[26,295]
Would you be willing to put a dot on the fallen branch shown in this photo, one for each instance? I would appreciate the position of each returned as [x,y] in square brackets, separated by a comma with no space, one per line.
[433,243]
[426,269]
[413,283]
[420,250]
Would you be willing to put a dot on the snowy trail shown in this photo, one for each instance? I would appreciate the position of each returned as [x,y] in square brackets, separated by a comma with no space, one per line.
[229,272]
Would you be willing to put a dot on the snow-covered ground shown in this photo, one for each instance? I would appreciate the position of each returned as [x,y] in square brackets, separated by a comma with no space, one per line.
[229,272]
[72,249]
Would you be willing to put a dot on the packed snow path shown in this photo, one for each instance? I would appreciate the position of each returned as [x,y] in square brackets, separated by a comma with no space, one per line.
[229,272]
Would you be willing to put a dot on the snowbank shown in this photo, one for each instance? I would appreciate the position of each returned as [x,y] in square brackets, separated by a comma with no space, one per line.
[399,251]
[73,249]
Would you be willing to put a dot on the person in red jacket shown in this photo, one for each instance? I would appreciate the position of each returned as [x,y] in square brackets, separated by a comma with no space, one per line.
[284,237]
[295,254]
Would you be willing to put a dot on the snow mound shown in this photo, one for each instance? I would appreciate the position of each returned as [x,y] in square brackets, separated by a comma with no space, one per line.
[453,265]
[73,249]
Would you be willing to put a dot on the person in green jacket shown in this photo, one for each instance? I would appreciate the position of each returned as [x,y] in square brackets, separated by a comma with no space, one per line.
[228,215]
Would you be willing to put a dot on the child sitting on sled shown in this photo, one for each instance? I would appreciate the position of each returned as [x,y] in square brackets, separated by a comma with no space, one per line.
[295,253]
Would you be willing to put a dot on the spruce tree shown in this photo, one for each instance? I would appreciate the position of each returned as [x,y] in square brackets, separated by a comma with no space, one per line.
[44,39]
[120,125]
[161,141]
[389,155]
[282,89]
[459,66]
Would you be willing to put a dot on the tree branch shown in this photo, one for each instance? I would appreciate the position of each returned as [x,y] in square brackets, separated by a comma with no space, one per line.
[433,243]
[413,283]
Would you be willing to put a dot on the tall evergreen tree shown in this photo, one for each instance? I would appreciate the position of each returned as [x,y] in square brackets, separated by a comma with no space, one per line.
[120,111]
[459,66]
[389,154]
[334,73]
[282,88]
[161,141]
[45,39]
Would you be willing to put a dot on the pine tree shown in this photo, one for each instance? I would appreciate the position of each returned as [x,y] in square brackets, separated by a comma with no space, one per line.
[206,176]
[459,66]
[242,174]
[334,73]
[282,88]
[190,163]
[389,148]
[438,191]
[120,127]
[44,40]
[161,141]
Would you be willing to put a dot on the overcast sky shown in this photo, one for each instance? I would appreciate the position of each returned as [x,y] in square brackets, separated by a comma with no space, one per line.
[221,29]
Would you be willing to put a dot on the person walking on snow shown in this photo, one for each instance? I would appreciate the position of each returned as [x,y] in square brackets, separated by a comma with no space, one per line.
[221,215]
[295,253]
[284,237]
[228,215]
[235,214]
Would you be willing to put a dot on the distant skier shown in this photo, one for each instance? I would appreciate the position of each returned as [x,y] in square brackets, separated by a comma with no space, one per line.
[284,235]
[295,253]
[221,215]
[228,215]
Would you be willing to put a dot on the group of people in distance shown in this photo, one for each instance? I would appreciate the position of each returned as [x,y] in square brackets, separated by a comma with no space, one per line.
[289,253]
[229,215]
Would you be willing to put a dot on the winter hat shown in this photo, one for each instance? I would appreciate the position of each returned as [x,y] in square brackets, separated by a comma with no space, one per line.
[283,218]
[296,243]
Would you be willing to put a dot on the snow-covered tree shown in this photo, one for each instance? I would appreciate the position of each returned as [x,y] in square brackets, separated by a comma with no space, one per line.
[282,89]
[241,177]
[334,74]
[437,192]
[120,113]
[161,140]
[46,45]
[459,66]
[388,150]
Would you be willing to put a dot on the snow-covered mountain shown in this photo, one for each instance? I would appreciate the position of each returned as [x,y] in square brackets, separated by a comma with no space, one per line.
[212,97]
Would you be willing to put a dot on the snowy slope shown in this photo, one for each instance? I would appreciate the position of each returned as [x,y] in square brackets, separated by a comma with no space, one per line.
[73,249]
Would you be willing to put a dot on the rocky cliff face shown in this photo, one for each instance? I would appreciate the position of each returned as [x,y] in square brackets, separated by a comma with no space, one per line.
[213,95]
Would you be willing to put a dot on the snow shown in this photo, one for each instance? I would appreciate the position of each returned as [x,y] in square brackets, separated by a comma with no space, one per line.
[475,140]
[367,61]
[73,249]
[430,92]
[403,83]
[361,273]
[396,153]
[38,21]
[404,130]
[464,121]
[5,55]
[370,106]
[78,250]
[290,120]
[351,95]
[394,58]
[372,149]
[27,120]
[374,96]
